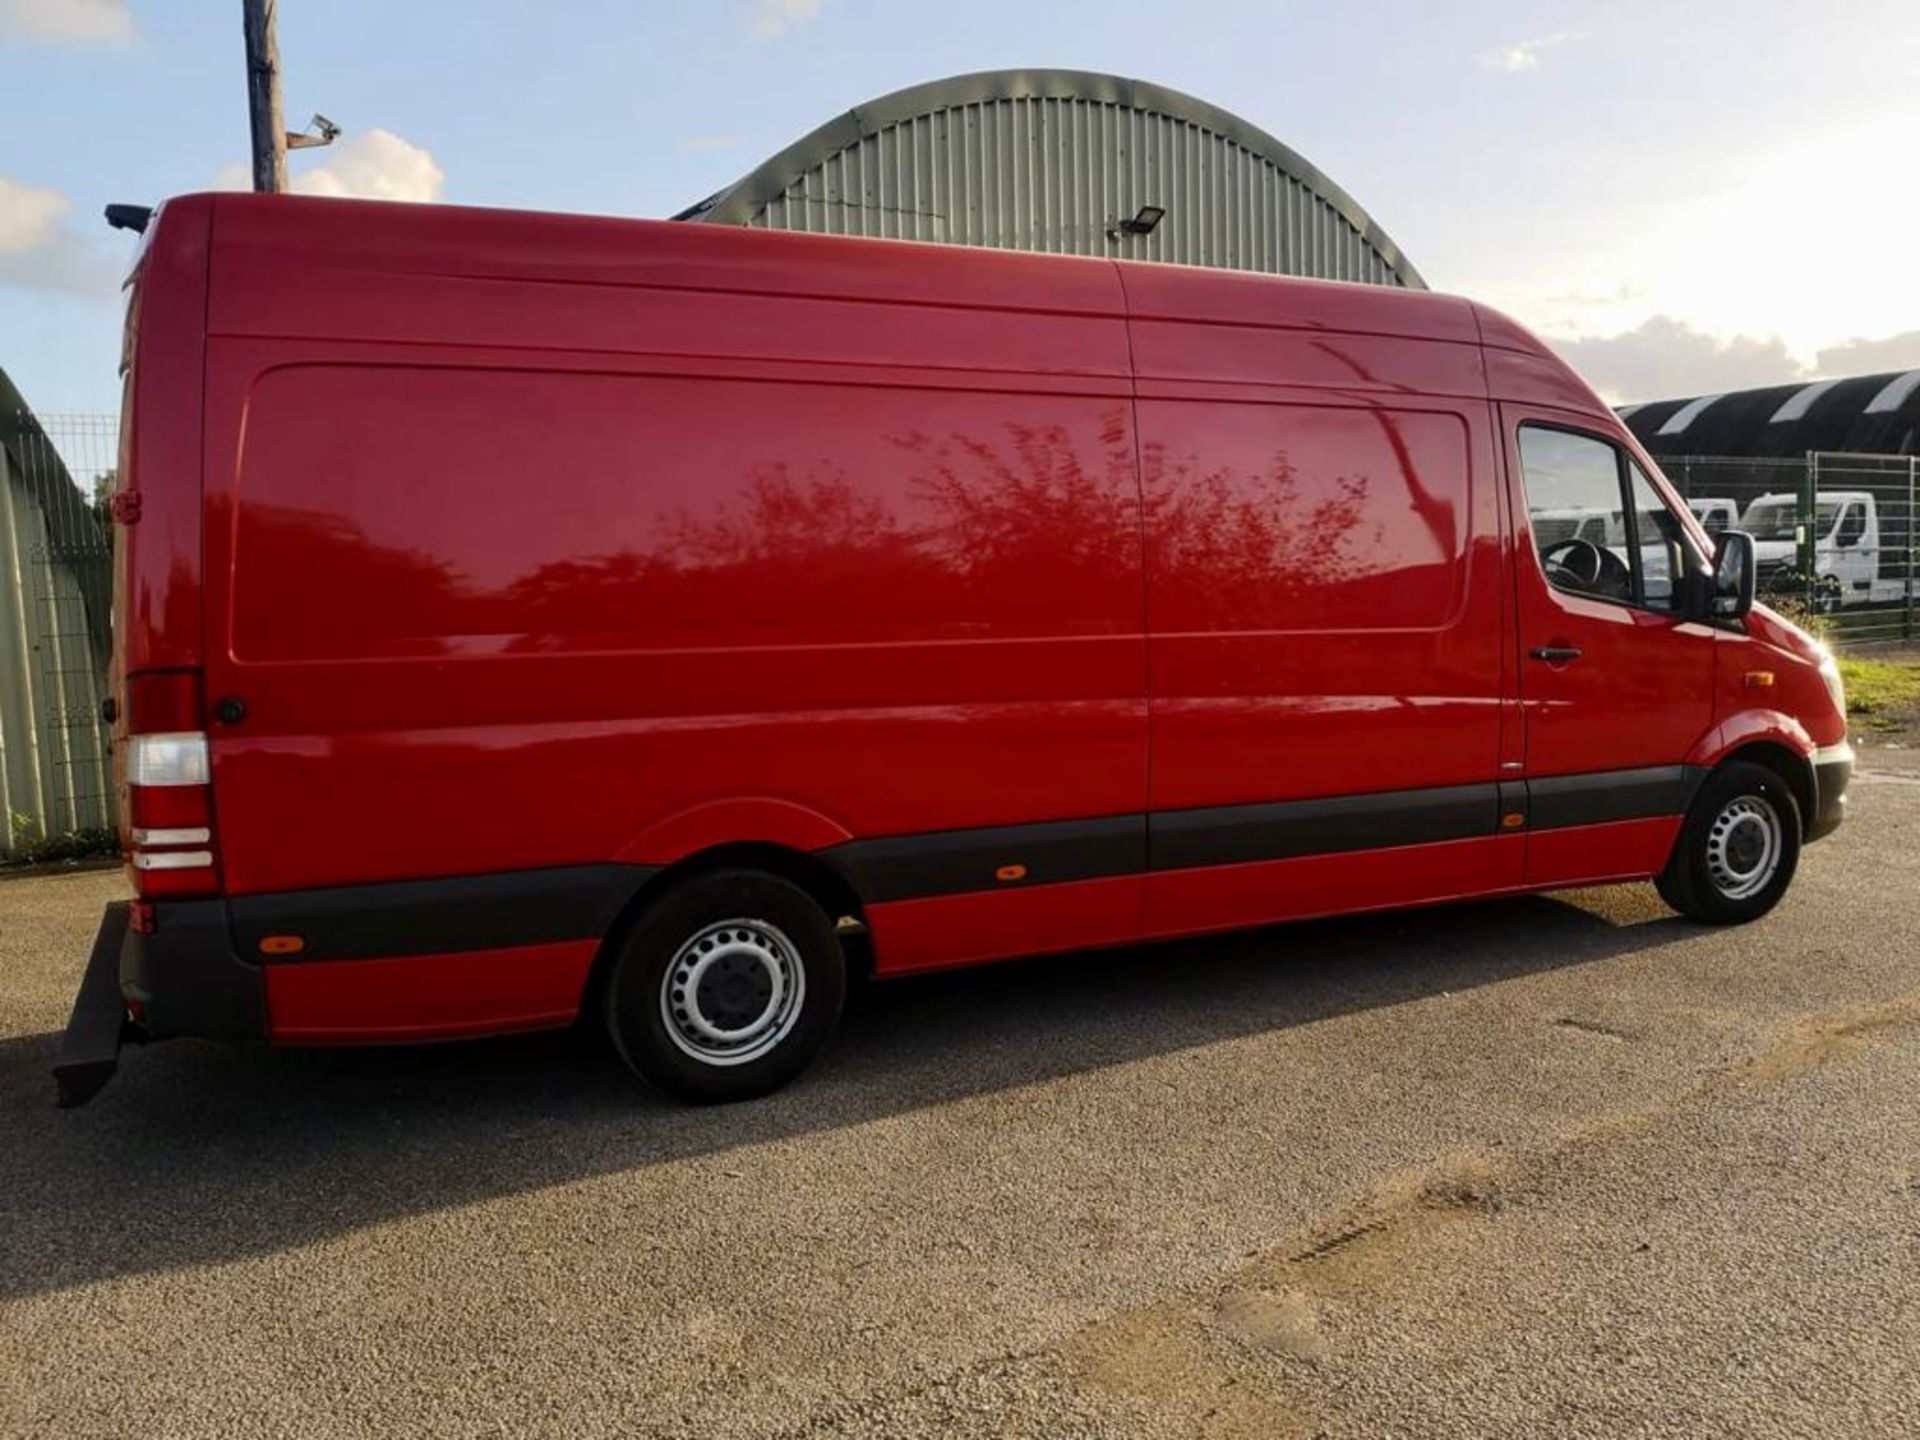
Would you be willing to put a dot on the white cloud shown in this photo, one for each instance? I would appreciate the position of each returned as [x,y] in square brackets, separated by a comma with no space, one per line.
[373,165]
[1868,357]
[83,22]
[40,250]
[28,215]
[776,17]
[1577,299]
[1664,358]
[1524,55]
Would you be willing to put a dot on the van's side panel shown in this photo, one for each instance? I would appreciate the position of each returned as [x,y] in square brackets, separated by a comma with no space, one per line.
[1324,569]
[566,569]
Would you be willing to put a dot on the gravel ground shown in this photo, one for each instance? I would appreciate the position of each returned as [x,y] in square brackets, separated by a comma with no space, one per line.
[1563,1166]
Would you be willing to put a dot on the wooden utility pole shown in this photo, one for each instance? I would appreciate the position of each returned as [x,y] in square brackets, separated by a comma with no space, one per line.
[263,98]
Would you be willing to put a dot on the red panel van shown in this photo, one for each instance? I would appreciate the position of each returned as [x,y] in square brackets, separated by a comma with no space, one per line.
[524,615]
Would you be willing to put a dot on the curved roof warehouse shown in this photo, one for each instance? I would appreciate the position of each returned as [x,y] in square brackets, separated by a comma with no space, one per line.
[1070,162]
[1866,415]
[55,586]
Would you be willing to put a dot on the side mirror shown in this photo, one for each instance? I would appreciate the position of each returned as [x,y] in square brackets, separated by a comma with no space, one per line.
[1731,595]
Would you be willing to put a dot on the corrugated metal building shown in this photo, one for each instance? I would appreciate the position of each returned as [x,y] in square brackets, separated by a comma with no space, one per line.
[55,593]
[1057,160]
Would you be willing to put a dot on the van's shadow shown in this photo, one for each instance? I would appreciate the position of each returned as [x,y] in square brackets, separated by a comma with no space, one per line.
[204,1153]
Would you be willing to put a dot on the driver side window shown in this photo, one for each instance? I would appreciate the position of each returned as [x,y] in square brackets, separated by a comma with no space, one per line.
[1595,535]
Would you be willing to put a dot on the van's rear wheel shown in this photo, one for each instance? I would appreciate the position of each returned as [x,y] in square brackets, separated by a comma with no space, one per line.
[726,987]
[1738,848]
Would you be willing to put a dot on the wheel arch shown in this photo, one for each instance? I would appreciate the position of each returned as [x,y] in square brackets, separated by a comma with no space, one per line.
[819,878]
[1794,769]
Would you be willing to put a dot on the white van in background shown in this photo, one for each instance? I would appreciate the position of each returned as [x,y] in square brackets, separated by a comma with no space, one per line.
[1715,512]
[1846,544]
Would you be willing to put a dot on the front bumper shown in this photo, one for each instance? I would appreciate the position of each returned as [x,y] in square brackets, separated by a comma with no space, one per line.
[179,976]
[1832,771]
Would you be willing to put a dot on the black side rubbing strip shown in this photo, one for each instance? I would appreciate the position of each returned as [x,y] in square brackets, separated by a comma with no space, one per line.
[1593,799]
[1513,801]
[421,917]
[581,902]
[1232,834]
[906,867]
[951,862]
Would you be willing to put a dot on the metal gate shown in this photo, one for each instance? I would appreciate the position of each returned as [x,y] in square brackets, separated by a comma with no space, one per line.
[56,585]
[1834,533]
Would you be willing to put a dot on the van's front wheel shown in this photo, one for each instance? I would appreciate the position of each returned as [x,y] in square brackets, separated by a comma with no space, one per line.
[1737,849]
[726,987]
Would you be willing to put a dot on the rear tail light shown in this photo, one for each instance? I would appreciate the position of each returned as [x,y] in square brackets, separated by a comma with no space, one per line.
[169,779]
[176,759]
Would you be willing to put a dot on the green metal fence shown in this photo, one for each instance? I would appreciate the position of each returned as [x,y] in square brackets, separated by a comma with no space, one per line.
[1834,532]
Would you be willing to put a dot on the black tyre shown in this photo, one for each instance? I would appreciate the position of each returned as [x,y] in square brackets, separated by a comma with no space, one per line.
[726,987]
[1737,851]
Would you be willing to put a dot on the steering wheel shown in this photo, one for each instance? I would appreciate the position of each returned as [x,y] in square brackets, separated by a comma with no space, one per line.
[1584,566]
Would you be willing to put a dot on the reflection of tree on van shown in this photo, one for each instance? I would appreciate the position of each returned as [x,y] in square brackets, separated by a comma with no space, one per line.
[973,517]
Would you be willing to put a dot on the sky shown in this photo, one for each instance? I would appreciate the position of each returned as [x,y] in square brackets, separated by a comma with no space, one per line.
[1683,197]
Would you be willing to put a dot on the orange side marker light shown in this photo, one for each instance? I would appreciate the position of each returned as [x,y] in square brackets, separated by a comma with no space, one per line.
[1010,872]
[281,944]
[1757,679]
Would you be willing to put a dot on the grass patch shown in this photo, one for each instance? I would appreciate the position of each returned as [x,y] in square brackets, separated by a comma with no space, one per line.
[1881,694]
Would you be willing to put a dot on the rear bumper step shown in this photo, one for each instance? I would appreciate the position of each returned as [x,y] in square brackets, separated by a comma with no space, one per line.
[90,1050]
[184,978]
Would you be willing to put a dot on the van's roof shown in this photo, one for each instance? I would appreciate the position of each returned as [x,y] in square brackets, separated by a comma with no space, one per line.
[288,235]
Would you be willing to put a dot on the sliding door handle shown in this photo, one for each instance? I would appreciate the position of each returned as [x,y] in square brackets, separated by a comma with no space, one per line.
[1555,654]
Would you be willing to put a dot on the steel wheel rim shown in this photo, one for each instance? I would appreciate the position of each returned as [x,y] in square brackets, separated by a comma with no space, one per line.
[1744,846]
[732,992]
